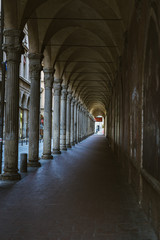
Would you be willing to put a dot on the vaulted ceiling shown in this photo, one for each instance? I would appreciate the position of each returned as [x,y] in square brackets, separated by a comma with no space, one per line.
[81,39]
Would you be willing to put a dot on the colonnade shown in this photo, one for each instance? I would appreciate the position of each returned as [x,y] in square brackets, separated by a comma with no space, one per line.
[71,121]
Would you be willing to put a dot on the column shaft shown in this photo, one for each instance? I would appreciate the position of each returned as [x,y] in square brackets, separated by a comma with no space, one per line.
[83,124]
[13,50]
[24,123]
[34,110]
[68,120]
[75,123]
[79,125]
[56,117]
[72,122]
[48,81]
[63,118]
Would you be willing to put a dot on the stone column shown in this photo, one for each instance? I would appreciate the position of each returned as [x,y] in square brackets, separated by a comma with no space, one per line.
[86,124]
[13,49]
[80,124]
[25,112]
[56,117]
[75,123]
[83,123]
[63,118]
[72,122]
[27,128]
[34,110]
[48,82]
[105,126]
[89,127]
[68,121]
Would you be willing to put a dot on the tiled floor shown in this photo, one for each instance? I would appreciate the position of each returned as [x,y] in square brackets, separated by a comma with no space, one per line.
[80,195]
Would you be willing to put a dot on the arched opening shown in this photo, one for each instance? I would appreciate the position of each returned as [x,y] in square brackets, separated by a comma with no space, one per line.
[99,125]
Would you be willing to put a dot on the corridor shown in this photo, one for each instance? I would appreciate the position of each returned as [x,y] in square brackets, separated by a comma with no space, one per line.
[79,195]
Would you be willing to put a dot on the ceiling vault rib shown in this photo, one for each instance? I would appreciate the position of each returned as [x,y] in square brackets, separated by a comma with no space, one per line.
[75,19]
[82,46]
[88,72]
[94,91]
[82,61]
[94,80]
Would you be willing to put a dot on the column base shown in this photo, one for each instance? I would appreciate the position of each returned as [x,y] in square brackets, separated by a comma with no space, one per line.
[33,164]
[10,176]
[63,149]
[68,146]
[73,144]
[45,156]
[56,151]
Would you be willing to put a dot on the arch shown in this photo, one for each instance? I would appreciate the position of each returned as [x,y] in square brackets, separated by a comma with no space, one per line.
[28,102]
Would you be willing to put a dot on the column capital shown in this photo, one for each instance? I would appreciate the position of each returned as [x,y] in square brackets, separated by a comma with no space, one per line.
[37,57]
[35,65]
[86,112]
[12,45]
[57,88]
[69,96]
[73,101]
[48,71]
[48,77]
[64,92]
[78,106]
[64,87]
[58,80]
[76,102]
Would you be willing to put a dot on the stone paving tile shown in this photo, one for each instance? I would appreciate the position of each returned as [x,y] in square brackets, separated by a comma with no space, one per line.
[80,195]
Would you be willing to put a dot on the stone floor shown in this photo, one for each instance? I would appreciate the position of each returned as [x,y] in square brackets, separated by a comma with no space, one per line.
[80,195]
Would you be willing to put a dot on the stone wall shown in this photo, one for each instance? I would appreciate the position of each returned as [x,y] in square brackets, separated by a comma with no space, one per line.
[134,112]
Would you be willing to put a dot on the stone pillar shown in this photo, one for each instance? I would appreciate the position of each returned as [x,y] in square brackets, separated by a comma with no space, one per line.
[72,122]
[79,124]
[88,125]
[78,109]
[13,49]
[48,82]
[75,123]
[85,129]
[25,112]
[34,110]
[68,121]
[83,123]
[105,126]
[27,128]
[56,117]
[63,118]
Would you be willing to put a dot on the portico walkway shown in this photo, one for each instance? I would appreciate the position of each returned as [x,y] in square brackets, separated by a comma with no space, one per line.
[80,195]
